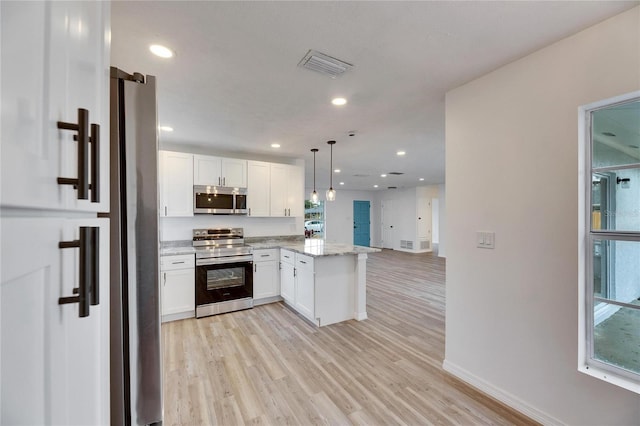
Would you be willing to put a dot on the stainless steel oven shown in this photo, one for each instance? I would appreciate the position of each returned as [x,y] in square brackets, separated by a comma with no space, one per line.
[219,200]
[224,271]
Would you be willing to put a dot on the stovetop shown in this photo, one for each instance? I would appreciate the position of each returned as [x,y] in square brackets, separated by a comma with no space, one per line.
[219,242]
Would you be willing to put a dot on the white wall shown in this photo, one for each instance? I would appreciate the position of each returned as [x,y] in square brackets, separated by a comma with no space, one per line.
[512,168]
[339,215]
[180,228]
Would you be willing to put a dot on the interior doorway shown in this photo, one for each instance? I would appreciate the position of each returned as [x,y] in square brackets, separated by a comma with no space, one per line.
[362,223]
[387,224]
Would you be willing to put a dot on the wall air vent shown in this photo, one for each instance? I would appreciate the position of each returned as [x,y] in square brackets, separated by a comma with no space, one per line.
[324,64]
[406,244]
[425,245]
[396,173]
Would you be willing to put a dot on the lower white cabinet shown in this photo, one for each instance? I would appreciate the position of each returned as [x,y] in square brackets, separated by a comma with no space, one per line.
[54,367]
[177,286]
[305,286]
[322,289]
[287,276]
[266,276]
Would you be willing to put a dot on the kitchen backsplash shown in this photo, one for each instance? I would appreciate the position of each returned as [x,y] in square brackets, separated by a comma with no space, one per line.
[180,228]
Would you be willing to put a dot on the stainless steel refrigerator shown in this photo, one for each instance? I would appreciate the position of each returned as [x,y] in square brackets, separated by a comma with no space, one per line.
[136,363]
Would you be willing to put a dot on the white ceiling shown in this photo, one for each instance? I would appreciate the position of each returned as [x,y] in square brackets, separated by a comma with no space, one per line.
[234,84]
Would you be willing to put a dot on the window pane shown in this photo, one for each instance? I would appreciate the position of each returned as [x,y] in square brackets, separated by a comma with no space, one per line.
[616,270]
[616,339]
[616,135]
[615,200]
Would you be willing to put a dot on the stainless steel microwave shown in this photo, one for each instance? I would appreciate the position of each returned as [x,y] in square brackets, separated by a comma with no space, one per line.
[219,200]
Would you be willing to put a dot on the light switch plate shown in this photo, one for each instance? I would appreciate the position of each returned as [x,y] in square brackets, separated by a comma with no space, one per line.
[486,239]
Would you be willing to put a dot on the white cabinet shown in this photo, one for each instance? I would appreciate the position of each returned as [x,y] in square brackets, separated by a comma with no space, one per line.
[177,287]
[55,365]
[275,190]
[287,276]
[297,282]
[55,60]
[258,188]
[287,190]
[217,171]
[305,286]
[176,184]
[266,275]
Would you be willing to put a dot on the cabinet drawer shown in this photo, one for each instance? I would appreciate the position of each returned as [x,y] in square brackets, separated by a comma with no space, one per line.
[304,261]
[265,255]
[183,261]
[287,256]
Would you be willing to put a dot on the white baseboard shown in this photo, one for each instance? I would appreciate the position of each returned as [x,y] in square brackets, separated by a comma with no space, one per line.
[360,316]
[499,394]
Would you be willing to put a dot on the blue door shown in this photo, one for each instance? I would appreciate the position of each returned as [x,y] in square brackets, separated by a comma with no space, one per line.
[361,223]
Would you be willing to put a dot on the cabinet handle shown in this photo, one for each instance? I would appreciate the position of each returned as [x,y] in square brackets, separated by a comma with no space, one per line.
[264,255]
[177,263]
[224,181]
[219,180]
[165,279]
[80,183]
[95,163]
[294,272]
[165,210]
[279,266]
[249,212]
[88,287]
[255,267]
[302,261]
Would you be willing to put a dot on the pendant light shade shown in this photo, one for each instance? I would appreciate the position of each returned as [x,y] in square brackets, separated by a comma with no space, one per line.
[314,194]
[331,193]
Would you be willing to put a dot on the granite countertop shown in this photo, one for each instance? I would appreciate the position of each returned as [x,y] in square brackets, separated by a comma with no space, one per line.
[313,247]
[174,248]
[310,247]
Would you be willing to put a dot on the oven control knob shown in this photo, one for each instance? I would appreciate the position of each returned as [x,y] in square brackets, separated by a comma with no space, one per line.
[197,232]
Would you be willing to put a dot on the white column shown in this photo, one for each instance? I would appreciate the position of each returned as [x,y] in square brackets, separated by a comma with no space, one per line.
[361,287]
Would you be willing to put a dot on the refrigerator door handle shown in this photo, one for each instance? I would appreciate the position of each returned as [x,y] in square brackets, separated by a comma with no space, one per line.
[82,128]
[87,269]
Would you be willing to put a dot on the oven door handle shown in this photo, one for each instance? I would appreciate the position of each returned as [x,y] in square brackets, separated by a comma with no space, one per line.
[223,260]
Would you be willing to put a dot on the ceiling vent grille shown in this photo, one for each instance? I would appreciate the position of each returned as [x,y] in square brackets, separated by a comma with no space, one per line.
[396,173]
[324,64]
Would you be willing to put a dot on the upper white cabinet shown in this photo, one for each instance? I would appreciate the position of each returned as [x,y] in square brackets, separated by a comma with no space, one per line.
[258,188]
[287,188]
[275,189]
[55,61]
[176,184]
[217,171]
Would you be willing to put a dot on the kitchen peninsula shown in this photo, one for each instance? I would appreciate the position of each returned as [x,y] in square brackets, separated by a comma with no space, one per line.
[324,282]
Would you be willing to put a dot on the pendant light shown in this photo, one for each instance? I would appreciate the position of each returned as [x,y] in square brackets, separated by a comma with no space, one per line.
[314,194]
[331,193]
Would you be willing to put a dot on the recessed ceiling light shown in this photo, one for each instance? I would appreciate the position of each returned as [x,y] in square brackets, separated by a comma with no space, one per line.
[421,179]
[375,186]
[162,51]
[339,101]
[166,128]
[400,153]
[383,175]
[275,145]
[336,171]
[341,183]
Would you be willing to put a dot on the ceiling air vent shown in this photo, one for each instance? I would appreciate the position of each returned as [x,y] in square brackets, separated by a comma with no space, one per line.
[396,173]
[392,187]
[324,64]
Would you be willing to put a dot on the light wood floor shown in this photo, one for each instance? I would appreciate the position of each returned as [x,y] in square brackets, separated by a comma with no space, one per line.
[268,366]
